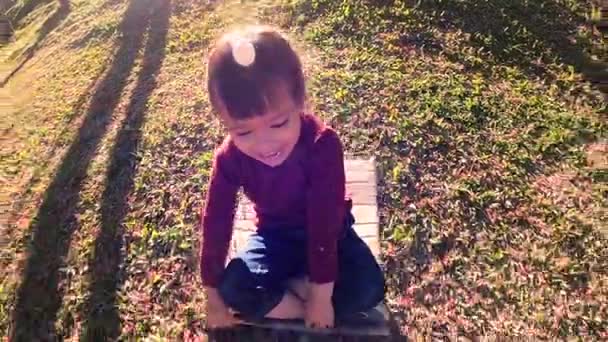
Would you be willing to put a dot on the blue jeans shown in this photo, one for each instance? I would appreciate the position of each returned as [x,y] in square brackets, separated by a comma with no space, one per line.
[255,281]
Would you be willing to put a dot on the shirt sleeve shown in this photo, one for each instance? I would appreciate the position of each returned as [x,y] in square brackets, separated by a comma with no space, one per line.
[217,217]
[325,207]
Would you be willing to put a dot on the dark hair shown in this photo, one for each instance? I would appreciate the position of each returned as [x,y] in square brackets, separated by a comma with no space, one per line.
[246,91]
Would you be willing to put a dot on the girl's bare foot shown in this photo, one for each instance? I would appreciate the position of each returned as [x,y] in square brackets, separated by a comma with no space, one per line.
[290,307]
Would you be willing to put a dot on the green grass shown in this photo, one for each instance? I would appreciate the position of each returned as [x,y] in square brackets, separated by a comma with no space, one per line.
[472,107]
[476,111]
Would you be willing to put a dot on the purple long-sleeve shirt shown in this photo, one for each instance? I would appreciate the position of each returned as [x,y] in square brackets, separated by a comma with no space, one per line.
[306,190]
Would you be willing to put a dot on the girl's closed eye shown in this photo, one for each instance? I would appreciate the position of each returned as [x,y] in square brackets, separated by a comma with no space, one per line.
[281,124]
[242,134]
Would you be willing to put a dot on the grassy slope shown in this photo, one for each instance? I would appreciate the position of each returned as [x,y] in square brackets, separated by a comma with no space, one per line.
[482,126]
[481,139]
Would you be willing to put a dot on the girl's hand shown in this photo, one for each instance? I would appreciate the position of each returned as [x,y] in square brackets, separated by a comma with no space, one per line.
[218,314]
[319,307]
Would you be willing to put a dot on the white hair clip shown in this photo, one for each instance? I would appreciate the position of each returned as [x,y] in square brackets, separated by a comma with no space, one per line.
[243,53]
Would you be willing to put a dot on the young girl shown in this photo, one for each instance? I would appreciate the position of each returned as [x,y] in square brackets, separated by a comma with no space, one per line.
[305,261]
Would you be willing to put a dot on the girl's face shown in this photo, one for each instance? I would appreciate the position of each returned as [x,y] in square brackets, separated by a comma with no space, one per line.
[268,138]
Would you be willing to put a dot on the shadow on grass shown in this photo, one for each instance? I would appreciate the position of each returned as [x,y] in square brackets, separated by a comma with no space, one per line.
[39,295]
[103,322]
[23,199]
[16,14]
[49,25]
[525,34]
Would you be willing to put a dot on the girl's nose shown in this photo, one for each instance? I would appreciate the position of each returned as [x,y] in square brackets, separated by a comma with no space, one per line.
[267,144]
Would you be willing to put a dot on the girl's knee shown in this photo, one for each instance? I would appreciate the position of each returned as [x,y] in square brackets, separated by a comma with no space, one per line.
[373,290]
[359,294]
[233,285]
[245,292]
